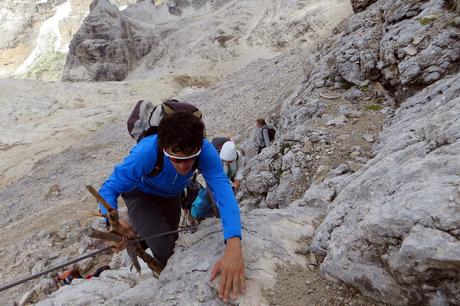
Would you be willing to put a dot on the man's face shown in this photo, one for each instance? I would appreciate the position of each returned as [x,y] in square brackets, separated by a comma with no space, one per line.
[182,162]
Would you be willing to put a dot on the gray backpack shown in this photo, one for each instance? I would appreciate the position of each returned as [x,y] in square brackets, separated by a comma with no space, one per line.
[145,116]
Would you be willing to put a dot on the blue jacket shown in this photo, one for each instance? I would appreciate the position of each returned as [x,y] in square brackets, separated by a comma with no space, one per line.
[133,173]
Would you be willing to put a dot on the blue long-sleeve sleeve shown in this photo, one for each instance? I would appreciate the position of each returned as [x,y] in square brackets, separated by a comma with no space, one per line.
[212,170]
[128,174]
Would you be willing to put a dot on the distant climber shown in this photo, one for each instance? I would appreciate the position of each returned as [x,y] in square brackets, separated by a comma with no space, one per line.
[152,177]
[203,205]
[233,162]
[218,142]
[264,134]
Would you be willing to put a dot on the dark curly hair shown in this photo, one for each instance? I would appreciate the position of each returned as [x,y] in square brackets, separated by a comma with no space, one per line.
[181,132]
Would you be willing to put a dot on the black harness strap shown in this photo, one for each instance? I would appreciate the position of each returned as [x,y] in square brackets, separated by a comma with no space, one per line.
[160,162]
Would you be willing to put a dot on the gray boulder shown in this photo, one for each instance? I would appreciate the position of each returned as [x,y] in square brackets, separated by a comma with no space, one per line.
[108,45]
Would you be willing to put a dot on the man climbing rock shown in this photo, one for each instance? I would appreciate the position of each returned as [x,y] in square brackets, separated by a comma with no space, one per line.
[153,194]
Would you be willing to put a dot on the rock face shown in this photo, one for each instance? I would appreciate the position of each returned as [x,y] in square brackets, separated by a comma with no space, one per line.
[177,7]
[60,137]
[360,5]
[36,35]
[20,26]
[107,46]
[192,38]
[403,44]
[393,230]
[185,280]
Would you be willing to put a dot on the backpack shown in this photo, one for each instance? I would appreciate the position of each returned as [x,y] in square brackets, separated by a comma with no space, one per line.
[218,142]
[271,132]
[145,118]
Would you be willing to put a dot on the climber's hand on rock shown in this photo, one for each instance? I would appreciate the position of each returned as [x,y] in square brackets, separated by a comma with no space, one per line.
[231,268]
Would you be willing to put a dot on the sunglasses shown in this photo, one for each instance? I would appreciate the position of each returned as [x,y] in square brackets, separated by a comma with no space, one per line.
[181,159]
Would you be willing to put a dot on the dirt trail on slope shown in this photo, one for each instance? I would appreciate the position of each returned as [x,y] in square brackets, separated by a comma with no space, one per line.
[299,286]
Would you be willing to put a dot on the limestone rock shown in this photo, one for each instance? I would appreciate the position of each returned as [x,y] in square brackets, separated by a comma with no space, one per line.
[387,214]
[33,43]
[47,285]
[38,267]
[369,137]
[321,174]
[95,291]
[364,38]
[317,196]
[108,45]
[381,219]
[360,5]
[185,280]
[338,121]
[53,192]
[410,50]
[27,297]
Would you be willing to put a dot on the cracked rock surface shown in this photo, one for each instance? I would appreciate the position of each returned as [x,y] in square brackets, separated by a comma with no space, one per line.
[395,228]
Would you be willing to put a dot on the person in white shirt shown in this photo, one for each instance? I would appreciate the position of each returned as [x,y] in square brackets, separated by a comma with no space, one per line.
[233,162]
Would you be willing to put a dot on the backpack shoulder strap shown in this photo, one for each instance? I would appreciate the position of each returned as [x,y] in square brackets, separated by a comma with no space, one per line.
[262,131]
[160,163]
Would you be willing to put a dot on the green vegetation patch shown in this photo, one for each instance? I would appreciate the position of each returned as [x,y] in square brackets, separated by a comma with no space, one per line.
[345,84]
[279,174]
[48,63]
[285,147]
[453,5]
[427,20]
[451,24]
[373,107]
